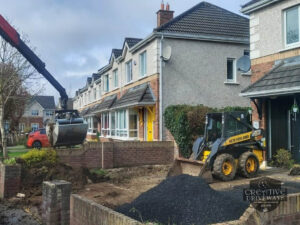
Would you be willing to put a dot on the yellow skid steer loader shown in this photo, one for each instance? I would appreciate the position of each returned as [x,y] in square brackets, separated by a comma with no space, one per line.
[229,145]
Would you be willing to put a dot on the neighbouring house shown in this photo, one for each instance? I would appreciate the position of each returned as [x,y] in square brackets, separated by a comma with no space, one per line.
[37,112]
[189,59]
[275,60]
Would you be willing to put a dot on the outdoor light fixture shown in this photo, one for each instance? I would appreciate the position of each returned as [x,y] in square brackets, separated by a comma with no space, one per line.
[295,109]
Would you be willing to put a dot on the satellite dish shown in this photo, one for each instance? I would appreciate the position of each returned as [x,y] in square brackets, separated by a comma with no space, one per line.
[167,52]
[244,63]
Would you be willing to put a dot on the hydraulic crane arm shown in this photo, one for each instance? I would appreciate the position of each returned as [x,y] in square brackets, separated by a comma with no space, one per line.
[12,37]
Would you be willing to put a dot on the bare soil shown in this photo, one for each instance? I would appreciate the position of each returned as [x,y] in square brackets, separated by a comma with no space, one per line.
[125,185]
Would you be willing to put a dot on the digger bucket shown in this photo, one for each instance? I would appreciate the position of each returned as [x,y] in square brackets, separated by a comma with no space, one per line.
[187,166]
[67,132]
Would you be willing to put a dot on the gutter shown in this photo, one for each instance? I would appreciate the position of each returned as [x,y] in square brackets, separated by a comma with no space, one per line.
[282,91]
[256,6]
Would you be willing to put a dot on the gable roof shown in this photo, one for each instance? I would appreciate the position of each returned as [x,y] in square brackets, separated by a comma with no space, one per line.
[140,95]
[131,41]
[47,102]
[208,19]
[284,78]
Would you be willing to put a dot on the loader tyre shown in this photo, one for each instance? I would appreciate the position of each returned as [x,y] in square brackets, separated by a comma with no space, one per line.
[224,167]
[248,165]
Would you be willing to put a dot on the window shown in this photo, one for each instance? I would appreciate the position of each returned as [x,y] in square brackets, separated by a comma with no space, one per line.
[105,83]
[95,94]
[247,52]
[133,123]
[34,126]
[49,113]
[34,112]
[43,131]
[121,122]
[292,26]
[21,127]
[6,125]
[129,71]
[105,124]
[116,78]
[113,123]
[143,64]
[231,70]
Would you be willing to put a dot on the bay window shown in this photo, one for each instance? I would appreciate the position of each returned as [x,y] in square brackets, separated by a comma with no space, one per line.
[121,128]
[133,123]
[105,124]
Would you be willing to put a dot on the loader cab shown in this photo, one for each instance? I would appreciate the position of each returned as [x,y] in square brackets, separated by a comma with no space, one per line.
[226,124]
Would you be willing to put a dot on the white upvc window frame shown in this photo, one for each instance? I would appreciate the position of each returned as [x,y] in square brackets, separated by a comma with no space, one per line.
[128,69]
[105,83]
[296,44]
[105,131]
[143,63]
[35,114]
[116,78]
[234,71]
[95,93]
[21,127]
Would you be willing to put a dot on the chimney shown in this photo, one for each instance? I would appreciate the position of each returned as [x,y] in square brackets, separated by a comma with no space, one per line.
[164,15]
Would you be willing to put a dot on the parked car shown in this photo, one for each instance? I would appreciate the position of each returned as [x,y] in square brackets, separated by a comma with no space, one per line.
[38,139]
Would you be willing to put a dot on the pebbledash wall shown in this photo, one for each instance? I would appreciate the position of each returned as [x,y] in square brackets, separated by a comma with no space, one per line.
[119,154]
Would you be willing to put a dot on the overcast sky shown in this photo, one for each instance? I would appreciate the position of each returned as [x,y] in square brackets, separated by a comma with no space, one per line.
[75,37]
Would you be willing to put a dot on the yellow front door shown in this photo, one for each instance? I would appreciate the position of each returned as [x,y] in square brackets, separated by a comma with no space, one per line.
[150,120]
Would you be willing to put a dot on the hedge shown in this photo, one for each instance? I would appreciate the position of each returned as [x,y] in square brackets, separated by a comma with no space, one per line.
[186,123]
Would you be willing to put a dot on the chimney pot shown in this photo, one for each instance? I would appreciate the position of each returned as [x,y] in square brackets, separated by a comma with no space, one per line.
[168,7]
[162,5]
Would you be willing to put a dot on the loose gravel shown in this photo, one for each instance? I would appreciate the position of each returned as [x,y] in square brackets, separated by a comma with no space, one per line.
[185,200]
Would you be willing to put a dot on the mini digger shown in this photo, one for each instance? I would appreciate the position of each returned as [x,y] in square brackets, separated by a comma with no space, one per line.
[230,145]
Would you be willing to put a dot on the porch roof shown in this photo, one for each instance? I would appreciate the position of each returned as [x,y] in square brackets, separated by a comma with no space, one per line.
[140,95]
[283,79]
[106,104]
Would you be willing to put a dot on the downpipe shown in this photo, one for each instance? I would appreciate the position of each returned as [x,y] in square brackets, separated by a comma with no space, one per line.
[160,89]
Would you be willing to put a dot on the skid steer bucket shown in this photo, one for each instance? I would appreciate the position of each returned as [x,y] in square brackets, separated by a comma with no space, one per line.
[187,166]
[67,131]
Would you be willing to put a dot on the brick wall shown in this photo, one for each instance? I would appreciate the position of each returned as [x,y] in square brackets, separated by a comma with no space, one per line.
[84,211]
[258,71]
[287,213]
[10,180]
[118,154]
[89,156]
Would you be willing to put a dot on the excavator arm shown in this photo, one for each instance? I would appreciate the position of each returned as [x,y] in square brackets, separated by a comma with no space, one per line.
[12,36]
[69,128]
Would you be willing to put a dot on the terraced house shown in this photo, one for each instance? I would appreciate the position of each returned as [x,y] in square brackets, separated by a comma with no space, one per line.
[189,59]
[275,59]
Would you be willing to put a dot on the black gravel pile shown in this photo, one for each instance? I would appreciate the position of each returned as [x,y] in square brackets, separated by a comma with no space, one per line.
[185,200]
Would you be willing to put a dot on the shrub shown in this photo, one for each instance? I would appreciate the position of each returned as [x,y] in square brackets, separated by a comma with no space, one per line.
[283,159]
[186,123]
[35,157]
[11,161]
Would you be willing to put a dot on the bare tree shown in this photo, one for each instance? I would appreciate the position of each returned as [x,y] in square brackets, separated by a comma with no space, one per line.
[17,77]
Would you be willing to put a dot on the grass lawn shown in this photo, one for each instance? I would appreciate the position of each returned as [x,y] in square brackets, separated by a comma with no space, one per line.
[16,151]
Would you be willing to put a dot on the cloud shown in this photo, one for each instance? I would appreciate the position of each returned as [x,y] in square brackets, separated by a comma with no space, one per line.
[75,37]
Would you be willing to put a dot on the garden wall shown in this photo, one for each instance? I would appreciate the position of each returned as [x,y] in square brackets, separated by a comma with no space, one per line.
[84,211]
[119,154]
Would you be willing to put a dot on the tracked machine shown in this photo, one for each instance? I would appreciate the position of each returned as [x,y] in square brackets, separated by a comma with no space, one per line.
[230,145]
[68,128]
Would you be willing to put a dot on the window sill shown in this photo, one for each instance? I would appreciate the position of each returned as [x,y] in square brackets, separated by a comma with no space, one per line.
[141,78]
[130,82]
[247,73]
[231,83]
[291,47]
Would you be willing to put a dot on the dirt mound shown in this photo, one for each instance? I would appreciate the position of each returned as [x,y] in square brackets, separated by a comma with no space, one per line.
[185,200]
[32,178]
